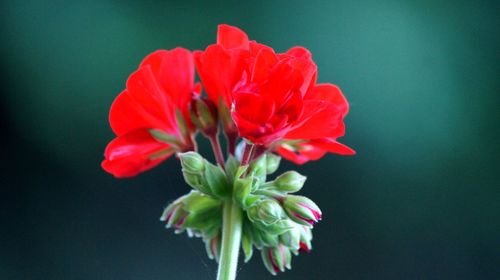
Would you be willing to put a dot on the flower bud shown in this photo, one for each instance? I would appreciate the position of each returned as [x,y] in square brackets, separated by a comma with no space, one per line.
[291,238]
[272,163]
[203,114]
[193,170]
[305,239]
[192,162]
[174,216]
[269,216]
[258,168]
[213,246]
[276,259]
[289,182]
[302,210]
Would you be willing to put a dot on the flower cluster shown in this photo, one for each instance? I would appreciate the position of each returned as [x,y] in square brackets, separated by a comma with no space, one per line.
[268,102]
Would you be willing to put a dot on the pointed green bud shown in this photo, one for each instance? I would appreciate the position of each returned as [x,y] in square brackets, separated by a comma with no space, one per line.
[203,115]
[195,211]
[192,162]
[193,169]
[288,182]
[276,259]
[272,163]
[269,216]
[174,216]
[302,210]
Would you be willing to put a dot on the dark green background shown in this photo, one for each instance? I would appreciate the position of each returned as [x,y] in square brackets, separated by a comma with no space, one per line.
[420,200]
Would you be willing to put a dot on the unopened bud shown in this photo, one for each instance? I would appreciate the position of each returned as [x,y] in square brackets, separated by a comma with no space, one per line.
[213,246]
[192,162]
[276,259]
[289,182]
[193,170]
[269,216]
[272,163]
[203,113]
[174,216]
[302,210]
[291,238]
[258,168]
[305,239]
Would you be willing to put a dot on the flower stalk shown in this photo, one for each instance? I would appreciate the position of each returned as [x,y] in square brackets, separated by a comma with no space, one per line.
[231,239]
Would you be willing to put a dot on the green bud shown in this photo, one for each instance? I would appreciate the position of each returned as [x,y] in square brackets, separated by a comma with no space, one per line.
[302,210]
[269,216]
[192,162]
[289,182]
[258,168]
[272,163]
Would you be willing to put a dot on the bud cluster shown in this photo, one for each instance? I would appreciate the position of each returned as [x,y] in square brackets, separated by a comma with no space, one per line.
[276,222]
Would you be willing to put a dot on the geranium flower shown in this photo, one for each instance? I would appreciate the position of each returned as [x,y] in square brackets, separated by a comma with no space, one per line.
[317,130]
[274,99]
[263,89]
[150,117]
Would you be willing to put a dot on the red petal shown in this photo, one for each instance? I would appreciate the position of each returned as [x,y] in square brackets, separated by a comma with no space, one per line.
[330,93]
[220,70]
[320,119]
[130,154]
[254,107]
[302,156]
[231,37]
[266,59]
[333,146]
[299,52]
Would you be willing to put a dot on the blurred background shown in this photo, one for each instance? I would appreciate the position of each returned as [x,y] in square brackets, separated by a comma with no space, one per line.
[420,200]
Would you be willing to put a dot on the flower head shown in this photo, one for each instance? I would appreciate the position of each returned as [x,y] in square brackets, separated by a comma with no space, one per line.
[150,117]
[273,98]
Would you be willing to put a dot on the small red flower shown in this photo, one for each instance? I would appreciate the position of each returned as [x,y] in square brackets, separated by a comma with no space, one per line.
[316,132]
[150,117]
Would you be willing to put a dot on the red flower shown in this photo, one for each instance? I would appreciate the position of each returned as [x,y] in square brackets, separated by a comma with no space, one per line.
[264,89]
[273,97]
[318,128]
[150,117]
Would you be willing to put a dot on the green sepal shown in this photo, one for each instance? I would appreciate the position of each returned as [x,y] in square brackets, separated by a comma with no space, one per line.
[165,137]
[258,168]
[246,242]
[242,188]
[216,180]
[267,261]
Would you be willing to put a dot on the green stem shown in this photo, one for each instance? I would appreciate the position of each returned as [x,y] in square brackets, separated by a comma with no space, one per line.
[231,238]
